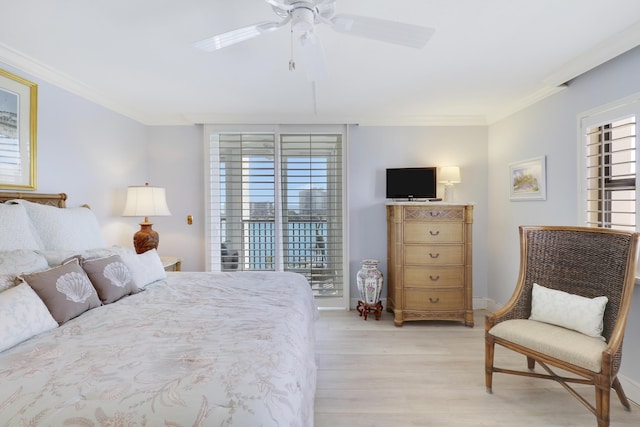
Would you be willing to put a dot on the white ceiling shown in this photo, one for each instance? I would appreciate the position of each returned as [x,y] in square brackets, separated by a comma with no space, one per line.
[486,59]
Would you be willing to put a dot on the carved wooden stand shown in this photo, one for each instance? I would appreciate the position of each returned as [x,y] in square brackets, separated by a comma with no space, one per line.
[364,309]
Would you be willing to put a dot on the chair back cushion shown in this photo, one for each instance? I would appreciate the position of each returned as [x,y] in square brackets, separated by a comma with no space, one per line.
[589,262]
[574,312]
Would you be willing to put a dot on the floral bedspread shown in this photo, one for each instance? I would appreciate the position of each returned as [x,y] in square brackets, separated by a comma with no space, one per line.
[197,349]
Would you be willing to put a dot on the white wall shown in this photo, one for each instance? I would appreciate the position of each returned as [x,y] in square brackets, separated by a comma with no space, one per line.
[550,128]
[373,149]
[176,163]
[90,153]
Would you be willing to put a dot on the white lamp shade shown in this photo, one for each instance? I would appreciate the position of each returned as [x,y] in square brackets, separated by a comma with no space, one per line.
[146,201]
[449,175]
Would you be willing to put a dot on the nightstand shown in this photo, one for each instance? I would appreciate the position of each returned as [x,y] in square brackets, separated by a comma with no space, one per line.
[171,263]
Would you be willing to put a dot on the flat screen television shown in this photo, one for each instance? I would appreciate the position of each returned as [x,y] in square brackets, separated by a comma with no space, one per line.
[411,183]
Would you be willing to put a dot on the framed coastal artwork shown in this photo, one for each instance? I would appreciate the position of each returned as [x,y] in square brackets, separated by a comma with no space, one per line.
[18,132]
[527,179]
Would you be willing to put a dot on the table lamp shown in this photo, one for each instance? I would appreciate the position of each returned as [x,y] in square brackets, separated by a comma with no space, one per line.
[146,201]
[448,176]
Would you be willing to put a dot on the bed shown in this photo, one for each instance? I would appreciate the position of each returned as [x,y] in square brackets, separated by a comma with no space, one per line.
[180,349]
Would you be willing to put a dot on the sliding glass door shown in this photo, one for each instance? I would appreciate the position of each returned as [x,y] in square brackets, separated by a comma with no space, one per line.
[276,203]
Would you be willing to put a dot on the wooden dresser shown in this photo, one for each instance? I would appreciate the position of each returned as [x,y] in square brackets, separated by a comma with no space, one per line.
[429,261]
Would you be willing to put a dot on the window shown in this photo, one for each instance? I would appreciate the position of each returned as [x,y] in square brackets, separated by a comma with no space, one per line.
[611,174]
[276,203]
[10,162]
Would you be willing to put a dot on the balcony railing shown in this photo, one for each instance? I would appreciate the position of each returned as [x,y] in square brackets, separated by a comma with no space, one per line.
[306,250]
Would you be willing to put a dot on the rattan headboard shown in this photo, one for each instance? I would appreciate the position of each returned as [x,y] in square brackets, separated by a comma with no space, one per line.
[58,200]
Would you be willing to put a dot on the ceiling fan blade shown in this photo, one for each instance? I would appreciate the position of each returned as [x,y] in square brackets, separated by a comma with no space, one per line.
[312,55]
[236,36]
[279,4]
[383,30]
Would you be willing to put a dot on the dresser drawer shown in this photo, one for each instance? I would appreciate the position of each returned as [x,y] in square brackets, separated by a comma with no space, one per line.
[433,213]
[433,232]
[434,254]
[429,277]
[427,299]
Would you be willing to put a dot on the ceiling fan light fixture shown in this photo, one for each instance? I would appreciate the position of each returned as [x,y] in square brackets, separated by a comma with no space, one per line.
[302,19]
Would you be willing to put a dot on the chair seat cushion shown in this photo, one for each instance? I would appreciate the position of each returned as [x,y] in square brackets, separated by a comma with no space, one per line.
[554,341]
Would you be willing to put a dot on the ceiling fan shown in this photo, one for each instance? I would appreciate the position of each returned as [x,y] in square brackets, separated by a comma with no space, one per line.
[304,15]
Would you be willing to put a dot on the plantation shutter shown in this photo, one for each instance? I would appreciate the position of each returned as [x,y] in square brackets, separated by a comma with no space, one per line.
[312,229]
[611,174]
[10,158]
[247,201]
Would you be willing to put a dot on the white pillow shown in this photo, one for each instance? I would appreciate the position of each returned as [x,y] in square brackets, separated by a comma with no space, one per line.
[22,316]
[64,228]
[16,229]
[567,310]
[145,268]
[13,263]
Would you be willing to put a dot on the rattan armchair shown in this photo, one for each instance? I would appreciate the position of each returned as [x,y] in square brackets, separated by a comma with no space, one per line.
[589,262]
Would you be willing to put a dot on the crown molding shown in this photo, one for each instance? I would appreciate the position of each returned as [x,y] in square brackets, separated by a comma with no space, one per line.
[524,102]
[55,77]
[368,120]
[614,46]
[558,80]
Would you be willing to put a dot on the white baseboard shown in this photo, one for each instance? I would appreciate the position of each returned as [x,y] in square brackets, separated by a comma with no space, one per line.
[631,388]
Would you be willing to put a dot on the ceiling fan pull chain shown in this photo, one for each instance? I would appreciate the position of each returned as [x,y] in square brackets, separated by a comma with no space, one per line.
[292,63]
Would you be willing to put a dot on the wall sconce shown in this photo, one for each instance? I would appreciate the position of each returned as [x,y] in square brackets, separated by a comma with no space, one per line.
[448,176]
[146,201]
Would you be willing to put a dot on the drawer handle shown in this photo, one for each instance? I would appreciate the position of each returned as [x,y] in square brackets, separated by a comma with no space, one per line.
[434,301]
[434,213]
[434,278]
[434,256]
[434,234]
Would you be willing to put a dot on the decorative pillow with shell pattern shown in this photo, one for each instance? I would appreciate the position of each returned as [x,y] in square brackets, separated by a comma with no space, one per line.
[145,268]
[65,290]
[111,278]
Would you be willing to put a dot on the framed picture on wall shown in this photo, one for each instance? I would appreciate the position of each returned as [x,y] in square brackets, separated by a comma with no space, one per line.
[18,127]
[527,179]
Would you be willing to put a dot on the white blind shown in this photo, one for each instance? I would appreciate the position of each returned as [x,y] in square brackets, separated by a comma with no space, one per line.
[10,158]
[312,229]
[611,174]
[247,201]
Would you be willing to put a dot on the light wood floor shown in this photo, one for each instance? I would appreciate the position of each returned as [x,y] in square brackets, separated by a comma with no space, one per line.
[372,373]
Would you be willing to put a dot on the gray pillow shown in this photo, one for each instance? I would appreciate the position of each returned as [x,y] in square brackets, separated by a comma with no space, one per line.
[111,278]
[65,290]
